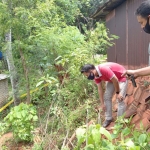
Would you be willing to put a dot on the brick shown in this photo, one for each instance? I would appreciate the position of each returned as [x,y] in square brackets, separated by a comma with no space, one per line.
[146,114]
[131,109]
[136,118]
[143,124]
[141,108]
[145,94]
[129,100]
[148,130]
[137,92]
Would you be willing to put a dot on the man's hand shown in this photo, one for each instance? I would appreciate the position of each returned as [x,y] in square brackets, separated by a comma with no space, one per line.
[130,72]
[119,97]
[102,107]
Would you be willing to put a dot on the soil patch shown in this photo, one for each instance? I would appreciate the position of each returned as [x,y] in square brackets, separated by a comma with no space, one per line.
[7,142]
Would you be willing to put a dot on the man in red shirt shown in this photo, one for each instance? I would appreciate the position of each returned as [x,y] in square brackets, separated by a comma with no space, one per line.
[115,82]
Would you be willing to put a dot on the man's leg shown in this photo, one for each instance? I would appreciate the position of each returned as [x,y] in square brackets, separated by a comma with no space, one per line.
[108,103]
[121,104]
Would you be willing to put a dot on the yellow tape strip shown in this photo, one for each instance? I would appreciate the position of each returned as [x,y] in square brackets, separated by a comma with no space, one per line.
[23,95]
[6,105]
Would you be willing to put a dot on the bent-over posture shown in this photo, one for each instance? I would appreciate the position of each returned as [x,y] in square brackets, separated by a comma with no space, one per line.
[115,82]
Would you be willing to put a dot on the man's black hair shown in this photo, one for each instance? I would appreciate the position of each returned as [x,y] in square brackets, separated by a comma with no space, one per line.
[144,9]
[87,68]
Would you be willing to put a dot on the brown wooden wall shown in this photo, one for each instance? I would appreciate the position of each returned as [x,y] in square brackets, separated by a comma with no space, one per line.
[131,49]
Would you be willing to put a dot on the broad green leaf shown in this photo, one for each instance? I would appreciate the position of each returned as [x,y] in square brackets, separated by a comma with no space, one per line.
[49,81]
[142,138]
[11,118]
[32,111]
[106,133]
[98,126]
[23,113]
[96,135]
[110,146]
[114,136]
[39,83]
[129,143]
[89,147]
[80,133]
[53,78]
[59,57]
[135,148]
[126,131]
[90,140]
[30,116]
[91,127]
[18,115]
[35,118]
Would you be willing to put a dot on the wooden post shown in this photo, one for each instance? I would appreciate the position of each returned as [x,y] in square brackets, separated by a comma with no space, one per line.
[12,69]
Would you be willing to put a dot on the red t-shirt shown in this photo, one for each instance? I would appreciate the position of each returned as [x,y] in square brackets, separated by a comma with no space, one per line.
[107,71]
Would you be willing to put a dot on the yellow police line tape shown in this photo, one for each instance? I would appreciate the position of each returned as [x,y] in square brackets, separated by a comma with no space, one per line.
[23,95]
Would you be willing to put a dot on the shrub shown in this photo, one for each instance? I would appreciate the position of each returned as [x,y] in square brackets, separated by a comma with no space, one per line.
[22,120]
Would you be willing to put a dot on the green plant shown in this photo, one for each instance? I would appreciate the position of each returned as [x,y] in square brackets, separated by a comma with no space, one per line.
[22,119]
[37,147]
[3,128]
[100,39]
[92,136]
[129,137]
[124,137]
[4,147]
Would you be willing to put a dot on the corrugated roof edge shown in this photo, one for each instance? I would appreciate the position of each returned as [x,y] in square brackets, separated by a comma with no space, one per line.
[104,9]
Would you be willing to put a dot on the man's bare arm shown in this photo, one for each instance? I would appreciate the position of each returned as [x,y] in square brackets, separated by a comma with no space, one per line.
[139,72]
[115,83]
[101,93]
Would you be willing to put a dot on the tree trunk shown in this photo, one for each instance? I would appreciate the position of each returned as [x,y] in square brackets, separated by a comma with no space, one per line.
[26,76]
[59,68]
[12,69]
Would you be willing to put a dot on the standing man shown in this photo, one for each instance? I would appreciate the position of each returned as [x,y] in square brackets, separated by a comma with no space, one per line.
[110,72]
[143,17]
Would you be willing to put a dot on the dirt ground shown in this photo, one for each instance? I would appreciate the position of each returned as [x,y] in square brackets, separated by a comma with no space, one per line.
[7,143]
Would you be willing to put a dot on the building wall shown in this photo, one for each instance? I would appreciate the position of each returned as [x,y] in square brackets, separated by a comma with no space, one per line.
[131,49]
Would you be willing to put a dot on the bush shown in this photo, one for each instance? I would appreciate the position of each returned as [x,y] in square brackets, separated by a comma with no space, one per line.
[22,120]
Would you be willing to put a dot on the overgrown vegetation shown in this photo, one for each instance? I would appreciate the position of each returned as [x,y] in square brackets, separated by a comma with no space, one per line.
[51,40]
[122,138]
[21,121]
